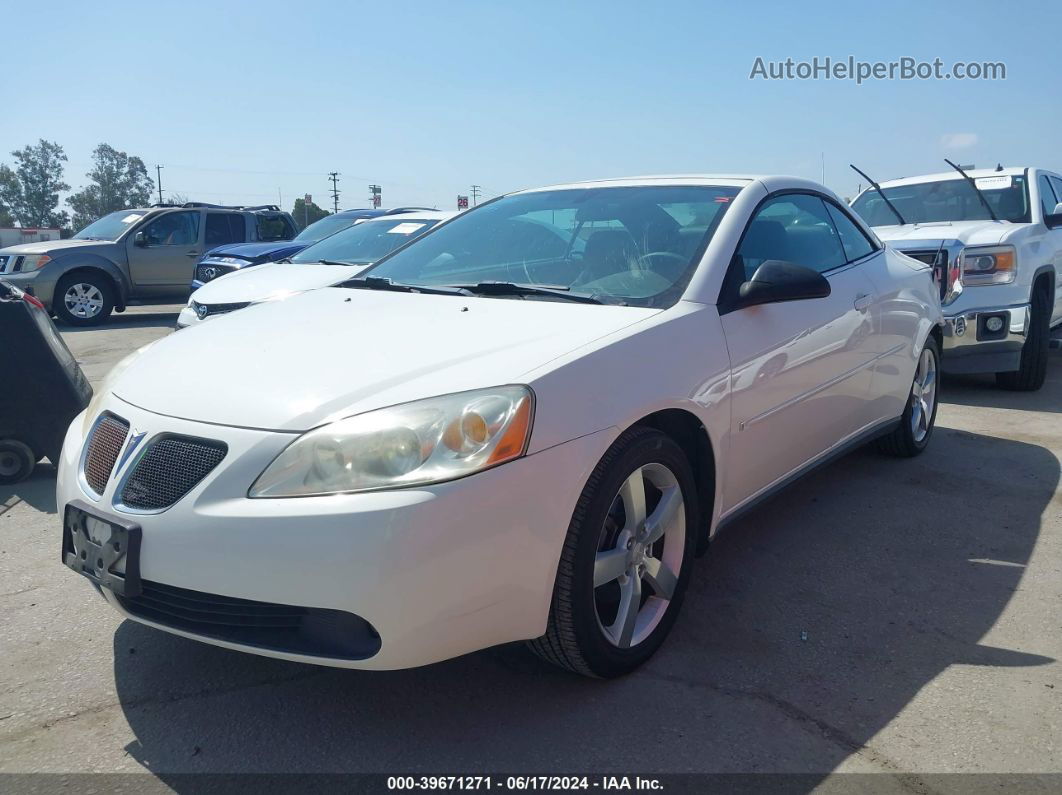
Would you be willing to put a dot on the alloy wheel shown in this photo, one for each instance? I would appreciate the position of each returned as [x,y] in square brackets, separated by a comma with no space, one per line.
[923,394]
[83,300]
[639,555]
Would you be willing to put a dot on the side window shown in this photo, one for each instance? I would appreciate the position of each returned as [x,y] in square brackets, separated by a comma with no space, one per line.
[222,228]
[274,227]
[856,245]
[793,228]
[1047,195]
[1056,183]
[173,229]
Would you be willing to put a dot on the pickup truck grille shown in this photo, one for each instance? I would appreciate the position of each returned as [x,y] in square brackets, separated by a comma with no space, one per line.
[938,259]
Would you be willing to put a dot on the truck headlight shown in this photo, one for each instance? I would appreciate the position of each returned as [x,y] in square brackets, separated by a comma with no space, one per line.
[988,265]
[413,444]
[34,262]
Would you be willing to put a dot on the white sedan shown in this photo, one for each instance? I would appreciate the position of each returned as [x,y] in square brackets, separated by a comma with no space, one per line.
[330,260]
[522,426]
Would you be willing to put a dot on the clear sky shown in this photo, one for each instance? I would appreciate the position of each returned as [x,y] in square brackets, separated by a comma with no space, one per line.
[241,100]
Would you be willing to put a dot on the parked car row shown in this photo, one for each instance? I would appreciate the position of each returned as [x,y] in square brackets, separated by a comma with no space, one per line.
[521,424]
[337,257]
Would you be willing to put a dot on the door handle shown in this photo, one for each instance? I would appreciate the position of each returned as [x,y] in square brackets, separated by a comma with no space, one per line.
[192,254]
[861,302]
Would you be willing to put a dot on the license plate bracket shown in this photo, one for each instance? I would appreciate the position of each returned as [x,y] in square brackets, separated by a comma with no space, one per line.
[98,558]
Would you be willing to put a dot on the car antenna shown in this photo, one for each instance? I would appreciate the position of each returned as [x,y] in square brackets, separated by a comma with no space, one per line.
[999,167]
[881,193]
[977,190]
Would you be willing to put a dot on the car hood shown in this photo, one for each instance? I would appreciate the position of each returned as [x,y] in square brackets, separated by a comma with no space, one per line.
[294,364]
[272,280]
[984,233]
[51,246]
[255,251]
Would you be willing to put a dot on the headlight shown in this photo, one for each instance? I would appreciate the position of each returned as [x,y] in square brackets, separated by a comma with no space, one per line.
[987,265]
[33,262]
[428,441]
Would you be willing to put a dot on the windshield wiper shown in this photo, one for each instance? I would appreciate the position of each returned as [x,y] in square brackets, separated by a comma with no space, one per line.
[510,288]
[334,262]
[976,189]
[383,283]
[881,193]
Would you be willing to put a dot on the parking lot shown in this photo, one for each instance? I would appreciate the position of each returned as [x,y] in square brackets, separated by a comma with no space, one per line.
[887,616]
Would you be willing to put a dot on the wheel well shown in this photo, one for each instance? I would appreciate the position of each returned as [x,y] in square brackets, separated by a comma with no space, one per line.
[689,433]
[937,333]
[1045,282]
[119,296]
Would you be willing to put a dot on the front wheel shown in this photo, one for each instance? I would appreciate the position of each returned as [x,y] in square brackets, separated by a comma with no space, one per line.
[1032,372]
[911,436]
[626,559]
[83,299]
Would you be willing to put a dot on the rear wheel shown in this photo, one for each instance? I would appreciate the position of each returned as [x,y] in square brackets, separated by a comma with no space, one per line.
[84,298]
[16,461]
[1031,374]
[912,435]
[626,559]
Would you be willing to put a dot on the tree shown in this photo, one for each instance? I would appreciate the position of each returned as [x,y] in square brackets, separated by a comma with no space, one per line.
[6,219]
[118,181]
[31,190]
[305,215]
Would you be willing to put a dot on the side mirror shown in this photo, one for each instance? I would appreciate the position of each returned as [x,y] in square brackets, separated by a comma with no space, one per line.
[140,240]
[776,281]
[1055,218]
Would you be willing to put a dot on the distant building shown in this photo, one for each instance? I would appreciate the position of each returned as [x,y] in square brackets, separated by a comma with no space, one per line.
[13,236]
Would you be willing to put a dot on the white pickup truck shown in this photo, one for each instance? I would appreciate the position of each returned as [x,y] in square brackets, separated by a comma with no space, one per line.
[995,238]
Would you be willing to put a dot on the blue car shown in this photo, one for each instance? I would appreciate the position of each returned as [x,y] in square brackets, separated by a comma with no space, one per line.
[226,259]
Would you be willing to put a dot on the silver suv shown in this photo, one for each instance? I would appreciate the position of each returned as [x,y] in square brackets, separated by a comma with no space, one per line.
[143,255]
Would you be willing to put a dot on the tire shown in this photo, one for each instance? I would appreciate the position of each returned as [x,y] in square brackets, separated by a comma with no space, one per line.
[97,291]
[912,434]
[16,461]
[1031,374]
[583,634]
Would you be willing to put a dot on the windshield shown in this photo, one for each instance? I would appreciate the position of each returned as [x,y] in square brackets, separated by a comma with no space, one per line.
[365,242]
[319,230]
[110,227]
[948,200]
[634,245]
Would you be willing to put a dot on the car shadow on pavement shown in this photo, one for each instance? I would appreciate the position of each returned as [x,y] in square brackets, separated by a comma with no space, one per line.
[38,490]
[981,390]
[811,625]
[166,319]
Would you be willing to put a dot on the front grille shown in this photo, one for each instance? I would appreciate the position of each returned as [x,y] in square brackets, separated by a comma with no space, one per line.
[104,445]
[299,630]
[169,469]
[209,271]
[207,310]
[938,259]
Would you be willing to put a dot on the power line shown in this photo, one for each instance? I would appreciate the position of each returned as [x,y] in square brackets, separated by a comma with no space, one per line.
[334,176]
[476,190]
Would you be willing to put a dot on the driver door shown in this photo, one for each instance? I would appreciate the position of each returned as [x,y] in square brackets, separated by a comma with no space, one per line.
[801,370]
[163,252]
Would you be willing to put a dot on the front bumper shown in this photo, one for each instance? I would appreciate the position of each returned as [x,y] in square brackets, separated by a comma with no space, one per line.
[970,346]
[36,283]
[438,571]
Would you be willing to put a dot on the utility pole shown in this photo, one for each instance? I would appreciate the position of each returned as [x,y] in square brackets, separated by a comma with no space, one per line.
[334,176]
[476,190]
[375,192]
[158,170]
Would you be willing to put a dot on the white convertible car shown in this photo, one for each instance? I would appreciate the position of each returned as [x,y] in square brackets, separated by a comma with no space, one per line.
[522,426]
